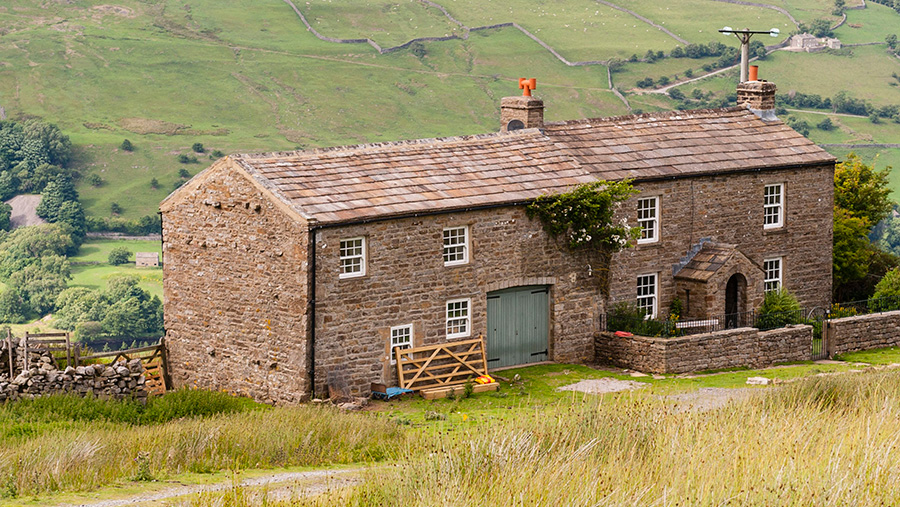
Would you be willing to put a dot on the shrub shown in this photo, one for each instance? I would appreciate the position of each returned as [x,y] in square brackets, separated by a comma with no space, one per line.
[647,82]
[185,159]
[825,124]
[84,331]
[663,81]
[126,145]
[95,180]
[689,73]
[218,153]
[119,255]
[198,148]
[887,292]
[154,183]
[183,173]
[115,208]
[676,94]
[779,309]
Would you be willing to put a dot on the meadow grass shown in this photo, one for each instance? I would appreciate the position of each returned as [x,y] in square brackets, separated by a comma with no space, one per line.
[97,250]
[58,450]
[871,24]
[96,276]
[821,441]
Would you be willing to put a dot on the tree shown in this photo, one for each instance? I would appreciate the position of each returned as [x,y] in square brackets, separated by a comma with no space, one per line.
[27,245]
[57,192]
[851,253]
[41,282]
[126,145]
[183,173]
[95,180]
[891,40]
[825,124]
[676,94]
[650,57]
[119,255]
[5,214]
[115,208]
[887,292]
[197,148]
[13,309]
[861,190]
[154,183]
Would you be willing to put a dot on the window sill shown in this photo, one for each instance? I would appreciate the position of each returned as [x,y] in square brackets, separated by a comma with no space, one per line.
[351,277]
[775,230]
[455,336]
[455,263]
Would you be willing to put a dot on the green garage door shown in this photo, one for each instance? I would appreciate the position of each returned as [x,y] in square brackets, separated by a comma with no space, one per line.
[518,325]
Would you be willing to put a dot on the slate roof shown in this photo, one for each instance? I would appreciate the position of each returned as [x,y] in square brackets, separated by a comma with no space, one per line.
[380,180]
[682,143]
[374,181]
[706,262]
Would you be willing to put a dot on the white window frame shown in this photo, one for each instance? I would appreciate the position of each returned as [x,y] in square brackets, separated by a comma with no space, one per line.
[650,223]
[445,250]
[397,332]
[772,203]
[361,256]
[773,273]
[649,299]
[455,321]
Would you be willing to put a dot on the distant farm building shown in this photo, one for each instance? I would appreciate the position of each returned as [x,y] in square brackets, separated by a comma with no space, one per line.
[811,44]
[146,259]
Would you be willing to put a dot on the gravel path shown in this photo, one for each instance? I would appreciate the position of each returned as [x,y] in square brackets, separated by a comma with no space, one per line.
[23,207]
[602,386]
[312,483]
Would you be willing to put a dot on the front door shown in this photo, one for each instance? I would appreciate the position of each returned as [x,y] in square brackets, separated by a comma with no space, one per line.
[734,292]
[518,325]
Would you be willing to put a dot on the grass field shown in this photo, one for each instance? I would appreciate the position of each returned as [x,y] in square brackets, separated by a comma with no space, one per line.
[95,276]
[247,76]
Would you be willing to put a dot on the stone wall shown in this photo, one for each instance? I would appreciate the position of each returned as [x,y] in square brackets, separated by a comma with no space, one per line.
[406,282]
[729,210]
[709,351]
[875,331]
[118,380]
[235,286]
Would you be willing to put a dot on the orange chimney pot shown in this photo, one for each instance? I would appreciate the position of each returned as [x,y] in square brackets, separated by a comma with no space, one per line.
[754,73]
[527,85]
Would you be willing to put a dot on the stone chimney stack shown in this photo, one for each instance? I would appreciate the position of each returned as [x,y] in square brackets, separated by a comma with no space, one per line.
[757,96]
[523,112]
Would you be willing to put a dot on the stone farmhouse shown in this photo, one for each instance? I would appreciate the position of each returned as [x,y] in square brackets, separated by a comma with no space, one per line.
[286,271]
[812,44]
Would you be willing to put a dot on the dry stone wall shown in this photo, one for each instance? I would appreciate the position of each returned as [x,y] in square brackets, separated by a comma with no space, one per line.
[235,285]
[863,332]
[709,351]
[42,377]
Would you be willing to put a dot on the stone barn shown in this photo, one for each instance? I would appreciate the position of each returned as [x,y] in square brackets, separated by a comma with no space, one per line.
[283,271]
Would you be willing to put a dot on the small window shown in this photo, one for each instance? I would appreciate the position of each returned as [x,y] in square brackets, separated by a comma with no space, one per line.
[458,318]
[353,257]
[773,206]
[401,338]
[648,219]
[456,246]
[646,295]
[772,270]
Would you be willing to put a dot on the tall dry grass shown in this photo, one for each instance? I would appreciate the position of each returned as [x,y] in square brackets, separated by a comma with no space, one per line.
[85,454]
[825,441]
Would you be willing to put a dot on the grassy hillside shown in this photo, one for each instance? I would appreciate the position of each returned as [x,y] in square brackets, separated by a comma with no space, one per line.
[246,75]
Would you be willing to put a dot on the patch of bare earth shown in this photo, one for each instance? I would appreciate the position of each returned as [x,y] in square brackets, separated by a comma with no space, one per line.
[277,487]
[23,214]
[147,126]
[116,10]
[710,398]
[602,386]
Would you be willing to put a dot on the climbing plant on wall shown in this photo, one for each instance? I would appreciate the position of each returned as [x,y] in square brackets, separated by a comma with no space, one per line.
[585,216]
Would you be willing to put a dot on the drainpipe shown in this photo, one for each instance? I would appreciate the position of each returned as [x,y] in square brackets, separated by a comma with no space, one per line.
[311,310]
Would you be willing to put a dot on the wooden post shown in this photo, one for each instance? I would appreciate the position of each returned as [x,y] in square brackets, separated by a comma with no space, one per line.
[9,344]
[68,351]
[77,353]
[25,354]
[483,352]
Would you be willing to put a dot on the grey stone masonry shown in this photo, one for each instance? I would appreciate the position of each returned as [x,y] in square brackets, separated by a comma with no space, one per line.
[729,209]
[528,110]
[406,282]
[235,285]
[710,351]
[863,332]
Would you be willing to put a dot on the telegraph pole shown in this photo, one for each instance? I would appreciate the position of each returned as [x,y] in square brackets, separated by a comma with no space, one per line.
[744,36]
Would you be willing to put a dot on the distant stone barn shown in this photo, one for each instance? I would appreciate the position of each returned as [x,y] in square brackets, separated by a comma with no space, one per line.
[283,270]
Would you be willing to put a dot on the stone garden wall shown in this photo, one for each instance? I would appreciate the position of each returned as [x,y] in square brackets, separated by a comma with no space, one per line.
[709,351]
[863,332]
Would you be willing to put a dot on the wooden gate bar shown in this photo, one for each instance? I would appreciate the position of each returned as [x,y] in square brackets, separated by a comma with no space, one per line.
[440,365]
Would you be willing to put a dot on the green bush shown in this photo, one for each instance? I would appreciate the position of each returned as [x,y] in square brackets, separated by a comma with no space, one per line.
[887,292]
[126,145]
[119,255]
[198,148]
[779,309]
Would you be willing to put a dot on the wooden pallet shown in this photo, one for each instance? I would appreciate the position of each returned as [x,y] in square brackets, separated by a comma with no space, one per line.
[447,364]
[442,392]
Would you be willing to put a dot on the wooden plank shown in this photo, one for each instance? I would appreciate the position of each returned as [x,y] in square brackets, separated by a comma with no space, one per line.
[9,341]
[114,353]
[457,390]
[44,335]
[427,348]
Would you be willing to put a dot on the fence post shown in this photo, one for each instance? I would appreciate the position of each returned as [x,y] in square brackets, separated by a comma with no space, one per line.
[25,354]
[9,345]
[68,351]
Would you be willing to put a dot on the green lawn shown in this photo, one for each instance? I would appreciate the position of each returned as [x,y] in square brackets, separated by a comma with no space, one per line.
[95,276]
[871,24]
